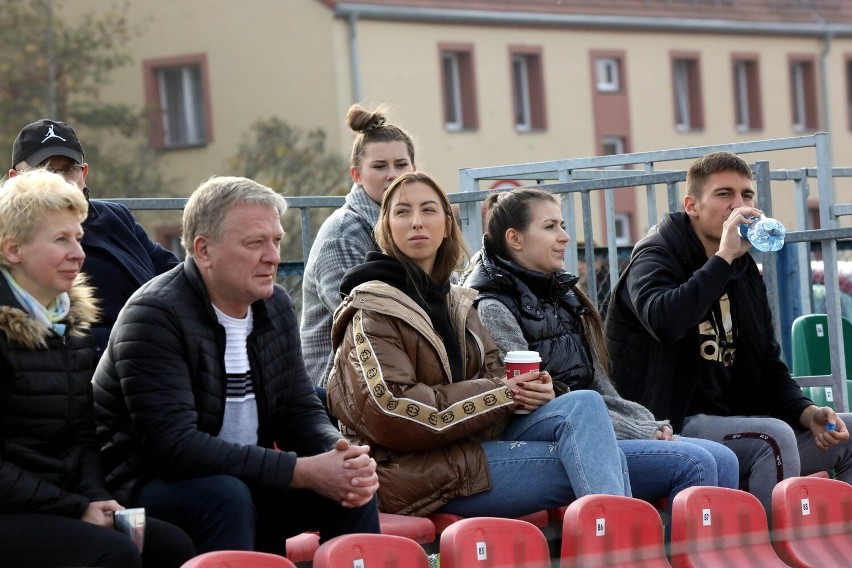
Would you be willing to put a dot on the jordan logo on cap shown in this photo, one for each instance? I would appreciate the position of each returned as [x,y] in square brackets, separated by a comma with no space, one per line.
[52,134]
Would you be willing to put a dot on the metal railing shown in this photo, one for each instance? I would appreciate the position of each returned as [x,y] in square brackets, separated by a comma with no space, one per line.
[582,177]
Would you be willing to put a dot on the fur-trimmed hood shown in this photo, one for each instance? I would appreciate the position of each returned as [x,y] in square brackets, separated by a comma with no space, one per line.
[20,327]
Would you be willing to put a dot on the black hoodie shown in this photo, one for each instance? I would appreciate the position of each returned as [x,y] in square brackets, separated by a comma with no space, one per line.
[667,293]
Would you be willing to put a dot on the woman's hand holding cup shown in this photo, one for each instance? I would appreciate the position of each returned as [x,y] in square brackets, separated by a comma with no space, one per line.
[530,387]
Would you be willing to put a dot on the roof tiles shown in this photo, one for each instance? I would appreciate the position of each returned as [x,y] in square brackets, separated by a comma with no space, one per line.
[758,11]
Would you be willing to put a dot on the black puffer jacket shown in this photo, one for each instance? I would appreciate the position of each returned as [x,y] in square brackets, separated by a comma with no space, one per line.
[160,390]
[548,310]
[48,455]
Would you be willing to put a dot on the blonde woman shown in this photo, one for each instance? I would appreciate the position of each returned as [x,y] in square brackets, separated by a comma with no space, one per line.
[54,507]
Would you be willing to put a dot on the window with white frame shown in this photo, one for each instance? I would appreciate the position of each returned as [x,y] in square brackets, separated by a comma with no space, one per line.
[527,91]
[803,87]
[176,91]
[521,91]
[681,89]
[608,74]
[612,145]
[458,94]
[452,91]
[747,101]
[741,94]
[798,78]
[182,105]
[687,94]
[622,229]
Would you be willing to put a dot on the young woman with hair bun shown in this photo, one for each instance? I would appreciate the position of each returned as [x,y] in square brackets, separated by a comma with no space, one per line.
[380,153]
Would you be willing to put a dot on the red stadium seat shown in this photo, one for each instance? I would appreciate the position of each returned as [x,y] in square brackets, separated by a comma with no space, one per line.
[812,522]
[301,548]
[491,542]
[370,550]
[443,520]
[418,529]
[557,514]
[237,559]
[720,527]
[608,530]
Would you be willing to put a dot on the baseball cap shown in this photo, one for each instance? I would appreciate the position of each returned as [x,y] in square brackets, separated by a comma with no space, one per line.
[44,138]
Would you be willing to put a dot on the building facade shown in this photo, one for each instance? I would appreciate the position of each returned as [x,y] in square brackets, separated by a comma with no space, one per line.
[483,83]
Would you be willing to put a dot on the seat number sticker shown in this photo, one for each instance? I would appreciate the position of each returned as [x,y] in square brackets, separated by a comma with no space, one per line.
[481,551]
[705,518]
[600,527]
[806,507]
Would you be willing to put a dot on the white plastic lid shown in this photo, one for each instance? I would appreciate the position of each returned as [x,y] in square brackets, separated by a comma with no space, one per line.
[523,357]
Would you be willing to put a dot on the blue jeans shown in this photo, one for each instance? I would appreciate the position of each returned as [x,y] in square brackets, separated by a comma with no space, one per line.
[663,468]
[221,512]
[563,450]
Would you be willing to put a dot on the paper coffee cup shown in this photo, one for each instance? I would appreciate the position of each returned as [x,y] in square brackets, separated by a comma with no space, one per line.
[520,362]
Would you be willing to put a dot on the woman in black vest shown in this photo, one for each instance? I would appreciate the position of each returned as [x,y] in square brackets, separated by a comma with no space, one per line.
[529,302]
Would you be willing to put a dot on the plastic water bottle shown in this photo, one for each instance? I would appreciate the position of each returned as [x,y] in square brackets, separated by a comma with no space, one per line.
[765,233]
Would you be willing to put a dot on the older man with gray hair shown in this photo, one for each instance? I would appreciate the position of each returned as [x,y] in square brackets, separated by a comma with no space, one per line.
[207,416]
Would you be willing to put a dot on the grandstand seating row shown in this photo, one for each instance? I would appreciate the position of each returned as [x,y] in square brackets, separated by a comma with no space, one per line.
[711,526]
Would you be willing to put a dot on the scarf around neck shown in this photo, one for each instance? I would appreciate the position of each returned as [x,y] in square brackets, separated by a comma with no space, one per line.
[51,316]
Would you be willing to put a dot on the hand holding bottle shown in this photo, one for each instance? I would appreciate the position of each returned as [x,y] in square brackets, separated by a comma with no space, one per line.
[731,244]
[764,233]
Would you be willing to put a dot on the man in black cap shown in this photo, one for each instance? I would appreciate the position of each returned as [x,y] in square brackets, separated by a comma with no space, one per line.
[120,256]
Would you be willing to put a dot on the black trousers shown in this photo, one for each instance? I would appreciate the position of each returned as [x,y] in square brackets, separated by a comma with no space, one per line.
[220,512]
[50,541]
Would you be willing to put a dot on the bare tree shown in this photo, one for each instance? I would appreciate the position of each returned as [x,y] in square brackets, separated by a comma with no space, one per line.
[54,66]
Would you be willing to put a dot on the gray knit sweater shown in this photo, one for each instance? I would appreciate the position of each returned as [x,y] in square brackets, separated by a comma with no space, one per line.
[631,420]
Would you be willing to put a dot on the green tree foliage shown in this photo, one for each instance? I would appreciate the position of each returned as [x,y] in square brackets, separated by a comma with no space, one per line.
[53,62]
[295,163]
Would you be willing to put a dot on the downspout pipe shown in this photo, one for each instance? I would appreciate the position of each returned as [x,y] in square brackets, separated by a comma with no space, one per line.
[354,56]
[823,71]
[826,112]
